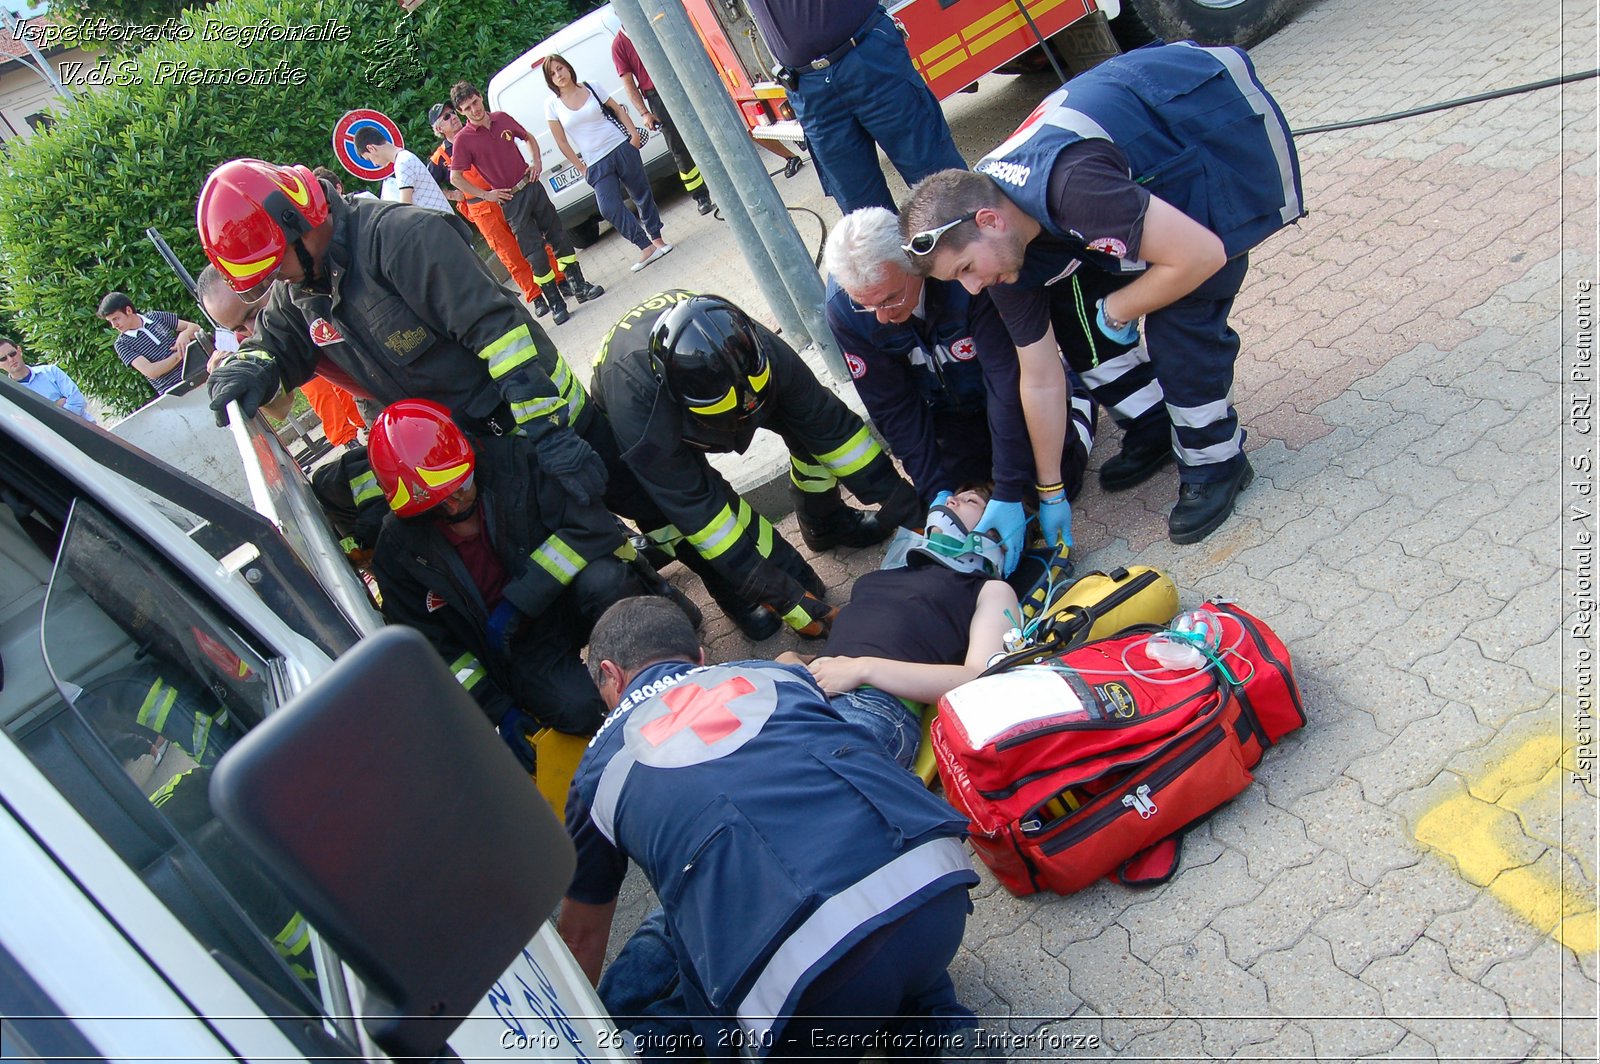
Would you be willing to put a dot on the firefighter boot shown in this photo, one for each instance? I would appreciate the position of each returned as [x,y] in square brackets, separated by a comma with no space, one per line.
[558,306]
[844,527]
[582,290]
[1202,508]
[540,305]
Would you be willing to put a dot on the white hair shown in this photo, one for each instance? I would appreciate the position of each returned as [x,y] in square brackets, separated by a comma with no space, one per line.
[862,246]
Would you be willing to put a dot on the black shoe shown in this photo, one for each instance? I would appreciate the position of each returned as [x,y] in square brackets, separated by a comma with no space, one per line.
[845,527]
[582,290]
[705,206]
[1202,508]
[1132,466]
[558,308]
[757,621]
[793,166]
[540,305]
[679,599]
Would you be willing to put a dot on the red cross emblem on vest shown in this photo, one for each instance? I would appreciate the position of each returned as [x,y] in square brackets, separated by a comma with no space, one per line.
[703,710]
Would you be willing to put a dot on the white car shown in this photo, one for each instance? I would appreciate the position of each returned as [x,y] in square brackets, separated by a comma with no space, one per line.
[521,92]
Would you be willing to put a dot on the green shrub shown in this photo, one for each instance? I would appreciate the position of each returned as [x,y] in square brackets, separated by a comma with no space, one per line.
[77,198]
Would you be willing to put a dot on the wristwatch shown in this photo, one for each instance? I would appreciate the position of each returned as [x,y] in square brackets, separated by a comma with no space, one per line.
[1116,325]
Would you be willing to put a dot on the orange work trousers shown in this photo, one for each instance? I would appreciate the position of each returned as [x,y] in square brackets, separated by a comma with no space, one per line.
[491,222]
[336,408]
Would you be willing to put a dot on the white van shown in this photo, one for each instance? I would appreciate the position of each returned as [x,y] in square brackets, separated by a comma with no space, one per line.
[218,841]
[520,91]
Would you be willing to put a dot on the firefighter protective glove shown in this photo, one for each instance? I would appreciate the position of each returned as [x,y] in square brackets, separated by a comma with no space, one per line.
[1128,334]
[250,378]
[503,624]
[518,729]
[1010,521]
[564,455]
[811,618]
[1055,520]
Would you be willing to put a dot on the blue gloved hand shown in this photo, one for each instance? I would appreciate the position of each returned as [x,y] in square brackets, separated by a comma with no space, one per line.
[503,624]
[517,729]
[1128,334]
[1055,522]
[940,499]
[1010,521]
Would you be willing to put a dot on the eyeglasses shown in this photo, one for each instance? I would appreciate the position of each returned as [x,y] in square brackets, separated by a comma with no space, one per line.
[891,304]
[924,242]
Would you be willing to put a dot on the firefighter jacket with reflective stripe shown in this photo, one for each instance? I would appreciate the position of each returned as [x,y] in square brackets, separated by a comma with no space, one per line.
[542,538]
[348,492]
[413,313]
[953,356]
[658,439]
[775,834]
[1197,127]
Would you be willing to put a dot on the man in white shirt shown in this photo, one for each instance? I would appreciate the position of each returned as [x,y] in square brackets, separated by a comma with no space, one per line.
[411,181]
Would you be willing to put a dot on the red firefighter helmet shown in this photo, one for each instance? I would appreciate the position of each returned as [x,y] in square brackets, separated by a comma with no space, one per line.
[419,455]
[249,213]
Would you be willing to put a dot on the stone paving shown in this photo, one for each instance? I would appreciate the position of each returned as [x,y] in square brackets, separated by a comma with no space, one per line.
[1413,876]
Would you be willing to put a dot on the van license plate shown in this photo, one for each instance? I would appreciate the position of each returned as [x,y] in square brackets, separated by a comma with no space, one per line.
[563,177]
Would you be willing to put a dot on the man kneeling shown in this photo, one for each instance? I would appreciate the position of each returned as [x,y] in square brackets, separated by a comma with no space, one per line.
[724,783]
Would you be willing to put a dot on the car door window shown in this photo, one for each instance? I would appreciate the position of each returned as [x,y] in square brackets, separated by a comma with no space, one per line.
[155,685]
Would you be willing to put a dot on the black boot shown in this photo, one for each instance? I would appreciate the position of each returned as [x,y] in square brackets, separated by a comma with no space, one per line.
[703,203]
[1202,508]
[582,290]
[845,527]
[1136,463]
[755,620]
[558,306]
[540,305]
[564,286]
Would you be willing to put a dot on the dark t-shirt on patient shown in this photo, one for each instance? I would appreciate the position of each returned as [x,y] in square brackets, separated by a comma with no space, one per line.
[922,614]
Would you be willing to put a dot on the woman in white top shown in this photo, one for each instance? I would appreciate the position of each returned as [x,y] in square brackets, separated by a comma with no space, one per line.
[607,158]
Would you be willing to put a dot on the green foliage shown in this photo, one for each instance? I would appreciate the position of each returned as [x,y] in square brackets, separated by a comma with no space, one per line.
[77,198]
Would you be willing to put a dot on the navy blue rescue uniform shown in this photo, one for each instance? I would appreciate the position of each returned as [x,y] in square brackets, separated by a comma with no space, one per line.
[717,781]
[865,91]
[1194,127]
[942,387]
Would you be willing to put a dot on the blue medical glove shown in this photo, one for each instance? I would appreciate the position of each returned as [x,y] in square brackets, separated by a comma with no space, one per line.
[1010,520]
[1128,334]
[503,624]
[940,499]
[517,729]
[1055,521]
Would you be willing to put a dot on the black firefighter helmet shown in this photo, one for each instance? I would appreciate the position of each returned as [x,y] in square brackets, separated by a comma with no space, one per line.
[712,362]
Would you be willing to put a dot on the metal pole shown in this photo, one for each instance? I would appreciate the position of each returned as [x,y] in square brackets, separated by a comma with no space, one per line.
[1049,52]
[684,117]
[730,138]
[46,71]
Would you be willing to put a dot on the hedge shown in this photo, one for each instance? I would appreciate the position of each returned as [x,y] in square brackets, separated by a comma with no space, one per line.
[78,197]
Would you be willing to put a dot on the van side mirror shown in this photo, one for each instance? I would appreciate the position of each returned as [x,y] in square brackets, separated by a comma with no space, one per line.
[395,819]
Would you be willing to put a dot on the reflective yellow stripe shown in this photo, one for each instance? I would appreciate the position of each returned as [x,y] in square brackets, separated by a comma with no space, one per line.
[692,180]
[435,477]
[545,279]
[467,670]
[168,789]
[854,456]
[627,551]
[721,406]
[294,938]
[714,539]
[666,538]
[559,560]
[364,487]
[763,536]
[797,617]
[157,704]
[201,735]
[512,351]
[402,495]
[532,409]
[811,479]
[566,260]
[759,381]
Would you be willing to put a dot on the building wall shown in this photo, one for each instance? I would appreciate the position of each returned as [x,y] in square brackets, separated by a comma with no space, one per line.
[25,96]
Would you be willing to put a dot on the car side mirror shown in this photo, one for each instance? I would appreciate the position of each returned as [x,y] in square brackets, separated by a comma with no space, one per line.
[395,819]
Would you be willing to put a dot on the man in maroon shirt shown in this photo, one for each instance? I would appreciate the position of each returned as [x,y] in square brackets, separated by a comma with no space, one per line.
[488,142]
[653,109]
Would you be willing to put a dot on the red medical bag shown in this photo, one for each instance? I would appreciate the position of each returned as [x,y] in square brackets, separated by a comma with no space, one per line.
[1097,761]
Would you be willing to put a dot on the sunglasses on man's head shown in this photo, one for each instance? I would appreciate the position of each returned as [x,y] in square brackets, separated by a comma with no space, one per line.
[924,242]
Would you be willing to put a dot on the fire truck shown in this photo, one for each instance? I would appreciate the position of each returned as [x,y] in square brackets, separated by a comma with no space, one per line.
[954,42]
